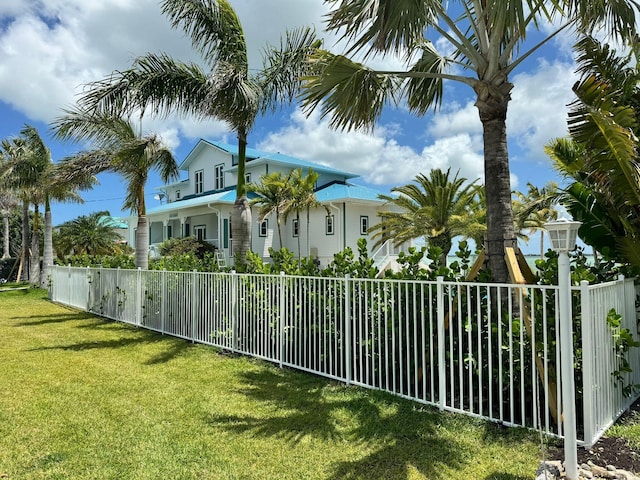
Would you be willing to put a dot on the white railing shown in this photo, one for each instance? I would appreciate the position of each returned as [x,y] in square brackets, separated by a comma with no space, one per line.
[487,350]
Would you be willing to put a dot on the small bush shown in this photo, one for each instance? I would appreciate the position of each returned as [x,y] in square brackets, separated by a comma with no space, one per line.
[186,246]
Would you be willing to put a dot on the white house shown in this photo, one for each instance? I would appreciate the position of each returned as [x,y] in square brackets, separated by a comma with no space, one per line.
[202,204]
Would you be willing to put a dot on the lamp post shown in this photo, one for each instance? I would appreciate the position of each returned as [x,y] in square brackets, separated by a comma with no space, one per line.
[563,235]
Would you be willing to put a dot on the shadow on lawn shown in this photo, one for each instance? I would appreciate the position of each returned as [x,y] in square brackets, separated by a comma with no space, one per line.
[37,320]
[405,435]
[167,348]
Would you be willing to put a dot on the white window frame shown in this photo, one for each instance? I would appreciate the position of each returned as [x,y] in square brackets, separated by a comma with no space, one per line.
[199,181]
[219,177]
[177,194]
[247,177]
[263,228]
[295,227]
[364,224]
[329,225]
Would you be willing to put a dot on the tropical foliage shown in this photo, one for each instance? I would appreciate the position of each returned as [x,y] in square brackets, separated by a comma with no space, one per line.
[484,42]
[93,234]
[600,159]
[119,148]
[229,91]
[436,208]
[535,208]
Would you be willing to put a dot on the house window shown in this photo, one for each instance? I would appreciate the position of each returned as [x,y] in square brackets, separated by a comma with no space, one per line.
[219,177]
[200,232]
[264,227]
[296,227]
[364,224]
[199,181]
[328,226]
[247,178]
[177,194]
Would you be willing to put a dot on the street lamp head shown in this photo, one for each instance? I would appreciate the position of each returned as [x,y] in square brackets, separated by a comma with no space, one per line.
[563,234]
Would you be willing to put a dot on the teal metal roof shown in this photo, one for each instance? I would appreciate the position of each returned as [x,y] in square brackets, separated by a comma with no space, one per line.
[257,157]
[344,191]
[227,197]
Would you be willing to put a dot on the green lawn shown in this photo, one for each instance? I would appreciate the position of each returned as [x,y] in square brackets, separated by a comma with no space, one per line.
[84,398]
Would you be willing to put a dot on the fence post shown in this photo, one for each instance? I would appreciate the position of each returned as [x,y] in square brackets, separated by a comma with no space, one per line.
[281,318]
[194,303]
[347,326]
[138,296]
[234,311]
[442,384]
[68,284]
[89,283]
[163,289]
[587,365]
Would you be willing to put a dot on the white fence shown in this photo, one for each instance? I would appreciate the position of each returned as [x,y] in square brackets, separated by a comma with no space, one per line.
[488,350]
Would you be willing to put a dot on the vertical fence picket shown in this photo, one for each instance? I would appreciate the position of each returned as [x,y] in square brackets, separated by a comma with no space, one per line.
[415,339]
[587,365]
[442,379]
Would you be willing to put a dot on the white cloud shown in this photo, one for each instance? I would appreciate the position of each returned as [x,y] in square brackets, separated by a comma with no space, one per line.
[377,156]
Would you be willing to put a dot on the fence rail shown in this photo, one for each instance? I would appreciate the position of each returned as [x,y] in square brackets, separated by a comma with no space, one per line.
[487,350]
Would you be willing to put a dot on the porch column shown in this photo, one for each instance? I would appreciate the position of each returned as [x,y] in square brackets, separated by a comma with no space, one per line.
[183,221]
[165,233]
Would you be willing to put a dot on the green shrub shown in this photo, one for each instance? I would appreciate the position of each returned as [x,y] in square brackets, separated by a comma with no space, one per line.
[186,246]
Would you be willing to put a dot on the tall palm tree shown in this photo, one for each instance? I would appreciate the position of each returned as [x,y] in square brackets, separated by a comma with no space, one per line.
[228,92]
[120,149]
[274,194]
[8,202]
[436,208]
[486,42]
[26,159]
[600,159]
[535,208]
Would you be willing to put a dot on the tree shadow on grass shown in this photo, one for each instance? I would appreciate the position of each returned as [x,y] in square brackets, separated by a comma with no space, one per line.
[400,434]
[172,347]
[37,320]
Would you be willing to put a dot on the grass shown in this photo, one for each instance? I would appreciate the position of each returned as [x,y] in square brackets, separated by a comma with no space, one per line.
[84,398]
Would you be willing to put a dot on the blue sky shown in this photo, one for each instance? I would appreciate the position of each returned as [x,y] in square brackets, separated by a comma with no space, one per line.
[50,49]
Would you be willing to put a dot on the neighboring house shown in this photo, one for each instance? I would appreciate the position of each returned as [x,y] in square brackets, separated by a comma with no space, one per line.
[201,205]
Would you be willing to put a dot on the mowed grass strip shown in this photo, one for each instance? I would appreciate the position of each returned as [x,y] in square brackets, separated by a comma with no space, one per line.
[85,398]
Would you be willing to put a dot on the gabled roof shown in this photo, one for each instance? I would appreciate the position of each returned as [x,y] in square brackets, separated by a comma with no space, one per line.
[257,157]
[338,192]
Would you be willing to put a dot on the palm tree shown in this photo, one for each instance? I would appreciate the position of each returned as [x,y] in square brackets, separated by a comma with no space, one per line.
[274,192]
[303,198]
[486,41]
[535,208]
[26,159]
[118,148]
[227,92]
[600,159]
[436,208]
[8,202]
[93,234]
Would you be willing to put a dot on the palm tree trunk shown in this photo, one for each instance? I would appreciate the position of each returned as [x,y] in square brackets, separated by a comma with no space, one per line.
[500,232]
[241,216]
[47,255]
[24,253]
[34,264]
[5,226]
[142,243]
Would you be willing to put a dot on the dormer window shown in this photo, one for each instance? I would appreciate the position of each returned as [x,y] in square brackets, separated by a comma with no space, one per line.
[219,177]
[199,181]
